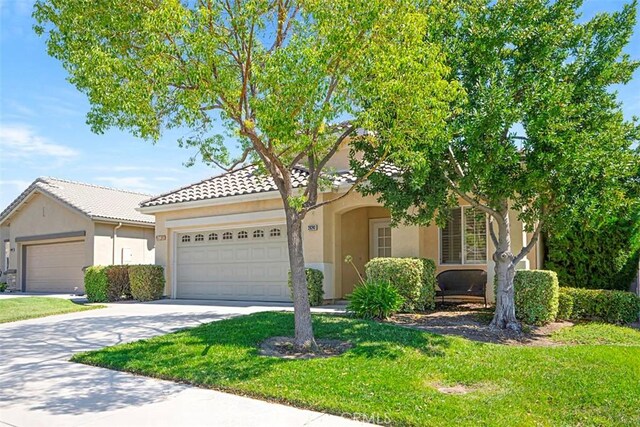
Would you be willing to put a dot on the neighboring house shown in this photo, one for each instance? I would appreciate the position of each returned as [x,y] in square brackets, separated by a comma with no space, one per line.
[55,228]
[225,237]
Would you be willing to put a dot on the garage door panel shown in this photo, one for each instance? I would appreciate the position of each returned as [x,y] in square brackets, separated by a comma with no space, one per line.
[253,266]
[55,267]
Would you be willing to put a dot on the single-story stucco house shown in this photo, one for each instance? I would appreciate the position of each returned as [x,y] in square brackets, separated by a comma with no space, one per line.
[55,228]
[225,237]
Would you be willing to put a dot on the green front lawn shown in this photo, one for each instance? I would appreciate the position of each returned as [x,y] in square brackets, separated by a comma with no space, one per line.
[392,374]
[13,309]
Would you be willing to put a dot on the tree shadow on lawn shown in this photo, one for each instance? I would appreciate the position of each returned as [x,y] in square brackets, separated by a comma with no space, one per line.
[226,352]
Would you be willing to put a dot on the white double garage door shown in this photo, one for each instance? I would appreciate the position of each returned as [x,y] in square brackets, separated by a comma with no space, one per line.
[249,263]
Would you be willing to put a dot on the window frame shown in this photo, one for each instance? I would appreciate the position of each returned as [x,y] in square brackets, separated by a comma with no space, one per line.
[463,233]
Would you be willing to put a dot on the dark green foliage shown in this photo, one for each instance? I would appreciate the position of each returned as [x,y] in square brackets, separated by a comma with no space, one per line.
[536,295]
[147,282]
[314,285]
[118,282]
[374,299]
[565,305]
[608,306]
[96,283]
[413,277]
[605,257]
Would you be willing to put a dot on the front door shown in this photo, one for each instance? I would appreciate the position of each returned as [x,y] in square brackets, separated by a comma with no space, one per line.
[380,245]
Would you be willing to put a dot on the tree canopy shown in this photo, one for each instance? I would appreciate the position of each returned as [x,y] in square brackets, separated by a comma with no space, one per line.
[539,129]
[282,75]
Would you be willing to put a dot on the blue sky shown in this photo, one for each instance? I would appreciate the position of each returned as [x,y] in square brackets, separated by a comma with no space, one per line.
[43,130]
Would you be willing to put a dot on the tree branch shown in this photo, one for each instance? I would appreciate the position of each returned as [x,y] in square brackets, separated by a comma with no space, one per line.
[492,232]
[532,243]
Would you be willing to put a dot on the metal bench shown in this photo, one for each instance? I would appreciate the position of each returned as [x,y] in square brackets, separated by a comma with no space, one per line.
[468,283]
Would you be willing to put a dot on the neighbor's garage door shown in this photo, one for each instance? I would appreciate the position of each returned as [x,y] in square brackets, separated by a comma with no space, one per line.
[55,268]
[233,264]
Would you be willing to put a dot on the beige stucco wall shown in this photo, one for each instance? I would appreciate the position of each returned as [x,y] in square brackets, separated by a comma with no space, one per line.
[42,215]
[139,241]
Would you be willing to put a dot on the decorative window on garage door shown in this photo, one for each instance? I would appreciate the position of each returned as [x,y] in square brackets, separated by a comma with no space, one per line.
[243,235]
[199,238]
[275,232]
[186,238]
[213,236]
[227,235]
[258,234]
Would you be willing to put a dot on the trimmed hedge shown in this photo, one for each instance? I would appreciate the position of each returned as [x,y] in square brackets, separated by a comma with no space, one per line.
[314,285]
[536,296]
[374,300]
[414,278]
[112,282]
[565,305]
[96,284]
[147,282]
[118,282]
[618,307]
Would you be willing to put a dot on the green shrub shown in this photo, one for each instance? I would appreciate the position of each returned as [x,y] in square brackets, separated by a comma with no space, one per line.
[118,286]
[605,257]
[3,286]
[314,285]
[147,282]
[565,305]
[374,300]
[618,307]
[414,278]
[96,284]
[427,299]
[536,296]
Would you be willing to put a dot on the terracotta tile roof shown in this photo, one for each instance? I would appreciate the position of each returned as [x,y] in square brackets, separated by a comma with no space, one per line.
[247,180]
[95,201]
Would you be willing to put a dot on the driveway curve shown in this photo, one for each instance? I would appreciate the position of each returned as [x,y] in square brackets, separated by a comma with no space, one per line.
[40,387]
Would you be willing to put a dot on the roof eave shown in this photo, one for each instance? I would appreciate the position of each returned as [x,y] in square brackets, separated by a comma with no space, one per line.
[123,221]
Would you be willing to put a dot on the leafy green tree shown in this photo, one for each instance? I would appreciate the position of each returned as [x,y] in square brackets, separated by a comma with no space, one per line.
[279,74]
[539,130]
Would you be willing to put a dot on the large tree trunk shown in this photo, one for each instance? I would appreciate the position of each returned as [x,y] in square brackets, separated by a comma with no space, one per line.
[505,314]
[302,310]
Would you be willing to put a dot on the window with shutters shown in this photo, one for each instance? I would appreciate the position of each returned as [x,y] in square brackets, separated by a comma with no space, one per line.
[463,240]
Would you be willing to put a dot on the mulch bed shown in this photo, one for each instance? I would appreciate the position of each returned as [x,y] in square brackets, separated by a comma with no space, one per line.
[471,321]
[284,348]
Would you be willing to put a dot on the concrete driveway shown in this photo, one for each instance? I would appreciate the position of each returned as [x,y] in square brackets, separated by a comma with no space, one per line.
[39,387]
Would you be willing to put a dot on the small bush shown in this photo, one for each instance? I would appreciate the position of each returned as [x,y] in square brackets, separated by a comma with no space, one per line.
[536,296]
[147,282]
[96,284]
[314,285]
[414,278]
[617,307]
[565,305]
[3,286]
[374,300]
[118,282]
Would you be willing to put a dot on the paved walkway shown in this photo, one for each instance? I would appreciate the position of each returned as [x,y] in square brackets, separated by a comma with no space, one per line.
[39,387]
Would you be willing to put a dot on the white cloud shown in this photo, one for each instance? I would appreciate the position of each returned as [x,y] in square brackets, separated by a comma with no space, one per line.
[17,184]
[22,142]
[131,183]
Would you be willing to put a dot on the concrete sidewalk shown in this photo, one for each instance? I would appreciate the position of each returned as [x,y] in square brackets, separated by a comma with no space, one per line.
[39,387]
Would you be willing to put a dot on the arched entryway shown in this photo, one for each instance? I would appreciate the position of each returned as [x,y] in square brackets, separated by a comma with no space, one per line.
[362,233]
